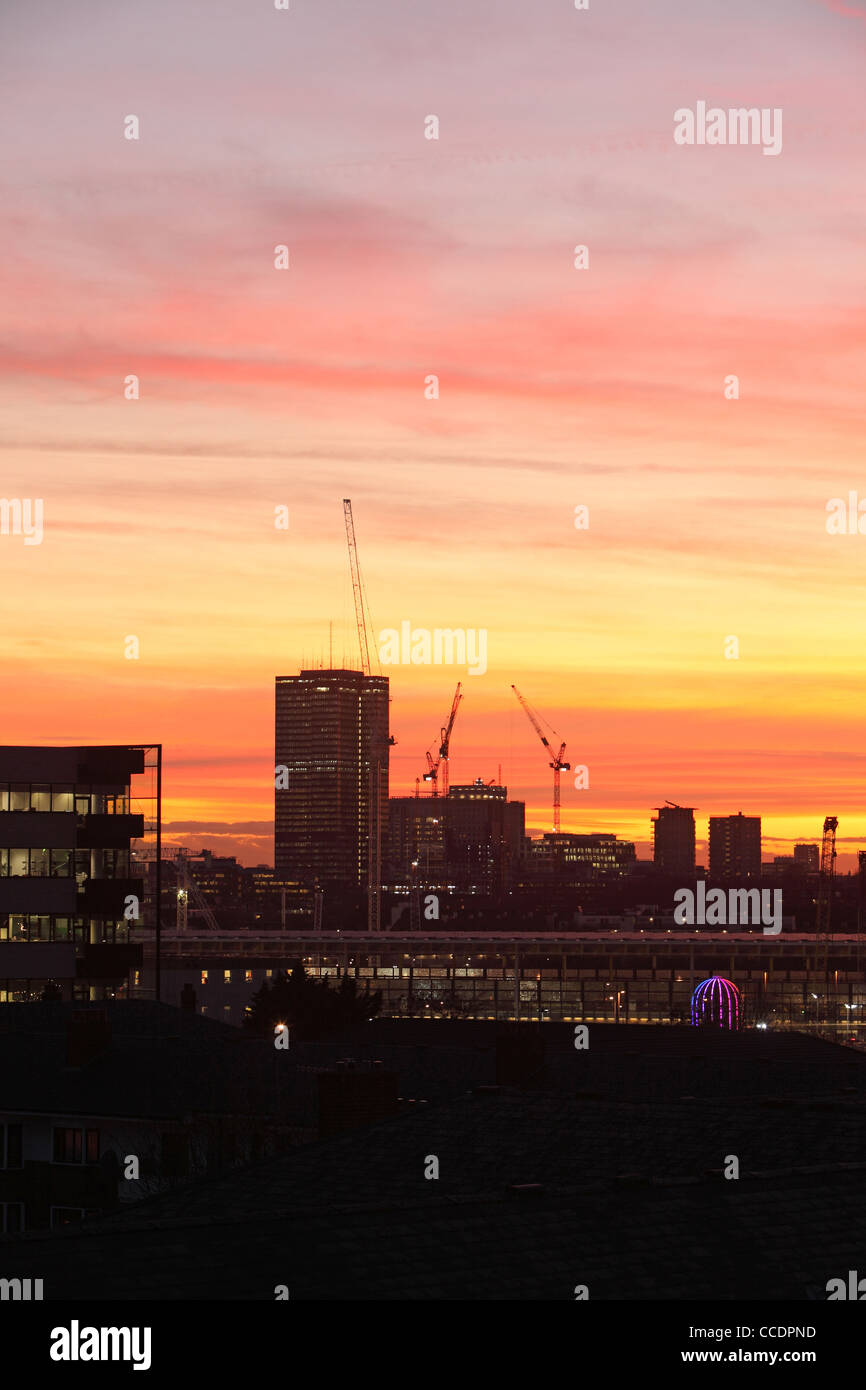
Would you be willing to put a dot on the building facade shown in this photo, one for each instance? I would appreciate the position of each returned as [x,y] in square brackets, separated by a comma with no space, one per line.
[594,858]
[331,757]
[415,852]
[674,840]
[735,847]
[71,891]
[807,857]
[484,834]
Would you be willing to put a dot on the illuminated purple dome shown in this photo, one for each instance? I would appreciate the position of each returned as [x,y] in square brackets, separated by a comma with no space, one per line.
[716,1004]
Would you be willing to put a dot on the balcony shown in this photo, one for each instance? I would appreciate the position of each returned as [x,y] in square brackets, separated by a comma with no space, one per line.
[108,832]
[104,897]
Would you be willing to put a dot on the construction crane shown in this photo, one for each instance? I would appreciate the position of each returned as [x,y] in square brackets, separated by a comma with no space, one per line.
[558,764]
[824,905]
[432,773]
[357,587]
[362,606]
[377,762]
[188,888]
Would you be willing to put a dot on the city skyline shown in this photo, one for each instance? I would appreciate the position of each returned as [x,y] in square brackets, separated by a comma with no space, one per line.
[558,388]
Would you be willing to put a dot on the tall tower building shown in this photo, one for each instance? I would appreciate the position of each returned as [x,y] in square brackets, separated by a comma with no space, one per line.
[674,840]
[735,846]
[331,777]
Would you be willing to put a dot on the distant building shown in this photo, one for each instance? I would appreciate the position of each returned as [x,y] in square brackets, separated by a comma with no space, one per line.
[674,840]
[274,899]
[807,857]
[484,834]
[415,850]
[331,748]
[594,858]
[735,847]
[220,877]
[71,889]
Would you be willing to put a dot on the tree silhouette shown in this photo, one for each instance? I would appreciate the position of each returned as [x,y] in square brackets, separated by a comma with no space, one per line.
[311,1008]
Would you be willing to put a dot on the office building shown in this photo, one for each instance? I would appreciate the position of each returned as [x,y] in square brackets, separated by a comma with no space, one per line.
[806,857]
[415,851]
[331,777]
[594,858]
[735,847]
[71,891]
[484,834]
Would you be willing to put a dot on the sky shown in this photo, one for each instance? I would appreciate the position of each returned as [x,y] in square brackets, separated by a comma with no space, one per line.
[559,388]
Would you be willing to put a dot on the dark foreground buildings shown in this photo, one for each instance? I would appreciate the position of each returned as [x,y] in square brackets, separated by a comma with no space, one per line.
[600,1170]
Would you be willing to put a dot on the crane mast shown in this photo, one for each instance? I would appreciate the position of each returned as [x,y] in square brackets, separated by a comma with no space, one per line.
[558,762]
[357,587]
[432,773]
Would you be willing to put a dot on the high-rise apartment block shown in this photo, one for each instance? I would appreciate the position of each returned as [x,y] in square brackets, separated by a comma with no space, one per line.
[735,847]
[674,840]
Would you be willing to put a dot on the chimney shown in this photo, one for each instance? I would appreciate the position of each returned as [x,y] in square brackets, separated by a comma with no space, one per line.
[88,1035]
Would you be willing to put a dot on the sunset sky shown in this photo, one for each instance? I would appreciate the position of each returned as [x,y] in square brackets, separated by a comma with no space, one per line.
[559,387]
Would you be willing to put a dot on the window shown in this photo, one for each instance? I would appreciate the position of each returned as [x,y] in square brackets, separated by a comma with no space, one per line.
[227,977]
[18,863]
[76,1145]
[61,799]
[11,1218]
[4,797]
[65,1216]
[61,863]
[40,798]
[67,1146]
[204,977]
[40,863]
[248,976]
[4,863]
[10,1146]
[19,797]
